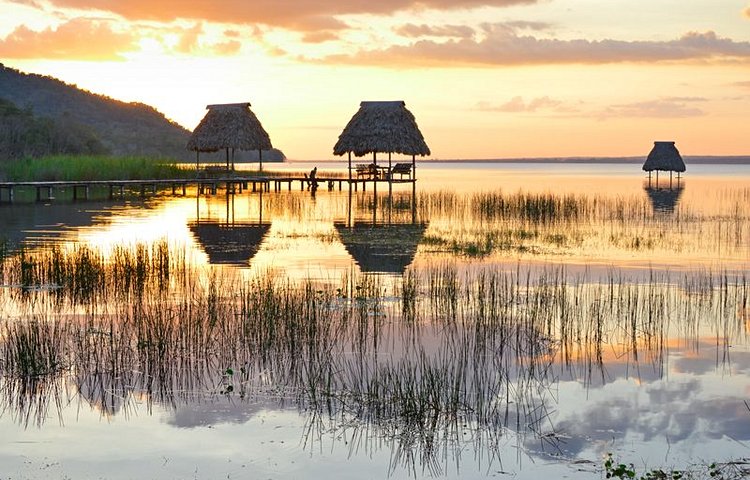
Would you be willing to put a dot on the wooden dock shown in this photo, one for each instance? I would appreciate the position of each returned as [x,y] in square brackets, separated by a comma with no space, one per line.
[234,184]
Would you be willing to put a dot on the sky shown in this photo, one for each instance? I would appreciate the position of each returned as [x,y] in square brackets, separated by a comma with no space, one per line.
[484,78]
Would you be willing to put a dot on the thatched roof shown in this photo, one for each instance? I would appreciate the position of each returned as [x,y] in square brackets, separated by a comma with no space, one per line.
[229,125]
[382,127]
[382,248]
[664,156]
[229,244]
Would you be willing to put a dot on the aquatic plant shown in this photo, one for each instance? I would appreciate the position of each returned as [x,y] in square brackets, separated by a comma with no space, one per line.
[82,167]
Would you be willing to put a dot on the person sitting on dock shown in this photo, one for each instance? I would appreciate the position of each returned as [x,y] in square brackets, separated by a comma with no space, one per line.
[312,182]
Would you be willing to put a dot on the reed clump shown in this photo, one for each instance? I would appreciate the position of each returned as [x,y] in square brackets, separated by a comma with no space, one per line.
[34,348]
[82,167]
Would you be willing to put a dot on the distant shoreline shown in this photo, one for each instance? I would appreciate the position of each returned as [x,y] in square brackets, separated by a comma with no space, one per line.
[689,159]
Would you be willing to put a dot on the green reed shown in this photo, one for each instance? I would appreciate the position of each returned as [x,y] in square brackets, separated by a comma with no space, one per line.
[486,223]
[83,167]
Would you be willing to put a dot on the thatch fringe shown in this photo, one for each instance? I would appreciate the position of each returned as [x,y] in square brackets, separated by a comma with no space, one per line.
[230,125]
[382,127]
[664,156]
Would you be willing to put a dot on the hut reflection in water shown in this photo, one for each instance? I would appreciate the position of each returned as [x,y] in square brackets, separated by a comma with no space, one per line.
[381,247]
[664,200]
[229,242]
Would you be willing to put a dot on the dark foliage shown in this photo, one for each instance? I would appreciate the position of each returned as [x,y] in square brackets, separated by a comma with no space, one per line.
[24,135]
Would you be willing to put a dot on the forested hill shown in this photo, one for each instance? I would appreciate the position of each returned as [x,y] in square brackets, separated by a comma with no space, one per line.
[65,111]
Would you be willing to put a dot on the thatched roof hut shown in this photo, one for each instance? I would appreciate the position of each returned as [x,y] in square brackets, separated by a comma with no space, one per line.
[381,248]
[229,244]
[382,127]
[229,126]
[665,157]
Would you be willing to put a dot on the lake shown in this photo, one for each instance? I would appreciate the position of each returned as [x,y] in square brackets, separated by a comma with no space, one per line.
[500,320]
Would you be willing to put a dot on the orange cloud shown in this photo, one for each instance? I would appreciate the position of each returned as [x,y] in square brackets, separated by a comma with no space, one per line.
[411,30]
[319,37]
[78,39]
[298,15]
[517,104]
[230,47]
[675,107]
[746,12]
[189,39]
[501,45]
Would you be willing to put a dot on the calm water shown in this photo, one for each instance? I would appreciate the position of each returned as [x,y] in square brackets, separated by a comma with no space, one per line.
[632,300]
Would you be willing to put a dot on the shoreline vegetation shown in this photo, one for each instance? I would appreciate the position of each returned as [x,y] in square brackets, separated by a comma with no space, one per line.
[79,167]
[103,167]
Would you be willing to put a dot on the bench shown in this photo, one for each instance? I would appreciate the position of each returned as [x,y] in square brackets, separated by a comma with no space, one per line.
[214,170]
[369,170]
[401,169]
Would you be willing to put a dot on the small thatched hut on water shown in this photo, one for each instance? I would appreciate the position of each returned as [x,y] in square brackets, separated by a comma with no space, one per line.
[665,157]
[381,127]
[230,127]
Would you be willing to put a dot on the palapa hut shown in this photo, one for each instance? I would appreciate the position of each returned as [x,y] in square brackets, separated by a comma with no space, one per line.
[665,157]
[230,127]
[381,248]
[381,127]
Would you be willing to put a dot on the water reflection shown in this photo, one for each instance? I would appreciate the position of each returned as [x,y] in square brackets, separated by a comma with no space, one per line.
[664,199]
[381,247]
[460,368]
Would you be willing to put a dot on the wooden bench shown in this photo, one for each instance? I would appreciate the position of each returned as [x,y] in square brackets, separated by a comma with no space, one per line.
[214,171]
[401,169]
[369,170]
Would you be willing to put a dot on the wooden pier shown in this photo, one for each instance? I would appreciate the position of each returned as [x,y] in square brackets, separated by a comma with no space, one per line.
[235,184]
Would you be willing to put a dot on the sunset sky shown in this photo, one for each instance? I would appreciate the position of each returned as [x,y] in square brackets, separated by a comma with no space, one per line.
[484,78]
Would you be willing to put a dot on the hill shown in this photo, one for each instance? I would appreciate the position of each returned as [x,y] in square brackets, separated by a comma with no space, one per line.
[121,128]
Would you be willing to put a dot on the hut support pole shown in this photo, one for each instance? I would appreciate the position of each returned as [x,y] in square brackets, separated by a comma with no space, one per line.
[375,186]
[260,159]
[413,189]
[350,169]
[390,183]
[197,162]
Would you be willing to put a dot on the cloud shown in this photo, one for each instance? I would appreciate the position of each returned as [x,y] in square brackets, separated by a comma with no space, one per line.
[319,37]
[230,47]
[517,104]
[189,39]
[746,12]
[501,45]
[413,31]
[745,84]
[297,15]
[674,107]
[77,39]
